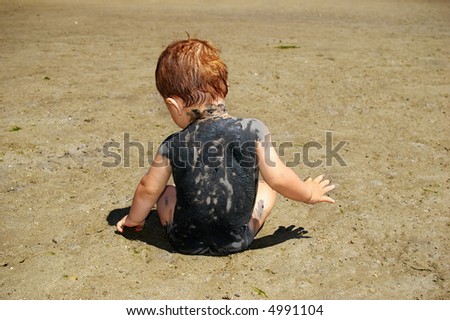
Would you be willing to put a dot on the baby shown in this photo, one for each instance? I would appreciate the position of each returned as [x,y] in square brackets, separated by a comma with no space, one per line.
[218,203]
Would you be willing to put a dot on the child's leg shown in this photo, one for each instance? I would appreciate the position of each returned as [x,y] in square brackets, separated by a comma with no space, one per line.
[166,205]
[265,200]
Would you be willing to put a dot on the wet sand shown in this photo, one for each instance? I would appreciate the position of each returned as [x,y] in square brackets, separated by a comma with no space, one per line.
[77,75]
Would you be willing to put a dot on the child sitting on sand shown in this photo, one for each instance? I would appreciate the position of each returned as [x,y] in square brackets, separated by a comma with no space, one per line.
[218,203]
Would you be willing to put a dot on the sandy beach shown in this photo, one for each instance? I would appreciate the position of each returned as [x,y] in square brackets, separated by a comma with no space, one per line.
[81,119]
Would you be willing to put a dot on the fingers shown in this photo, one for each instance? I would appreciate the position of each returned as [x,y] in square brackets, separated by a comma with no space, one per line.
[119,226]
[319,180]
[328,188]
[327,199]
[323,186]
[126,223]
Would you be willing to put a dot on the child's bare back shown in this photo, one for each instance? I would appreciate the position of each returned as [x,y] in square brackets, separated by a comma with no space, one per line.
[214,167]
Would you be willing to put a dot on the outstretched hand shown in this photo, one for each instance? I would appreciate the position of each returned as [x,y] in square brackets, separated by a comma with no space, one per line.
[319,188]
[127,222]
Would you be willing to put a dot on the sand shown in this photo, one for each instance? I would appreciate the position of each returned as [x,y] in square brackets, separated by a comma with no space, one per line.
[78,94]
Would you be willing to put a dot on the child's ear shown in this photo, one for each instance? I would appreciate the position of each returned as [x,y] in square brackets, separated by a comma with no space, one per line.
[176,103]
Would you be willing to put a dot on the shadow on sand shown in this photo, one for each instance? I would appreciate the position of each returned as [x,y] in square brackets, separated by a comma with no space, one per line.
[155,235]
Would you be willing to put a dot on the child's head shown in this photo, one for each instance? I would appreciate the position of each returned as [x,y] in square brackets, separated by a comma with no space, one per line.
[192,70]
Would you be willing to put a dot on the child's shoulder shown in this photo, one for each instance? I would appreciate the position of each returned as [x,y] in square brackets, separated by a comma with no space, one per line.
[254,125]
[165,145]
[252,122]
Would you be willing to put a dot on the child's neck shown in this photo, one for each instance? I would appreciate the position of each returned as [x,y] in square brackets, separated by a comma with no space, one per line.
[209,111]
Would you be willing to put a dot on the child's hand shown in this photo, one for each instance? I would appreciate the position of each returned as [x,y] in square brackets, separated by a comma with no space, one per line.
[127,222]
[319,188]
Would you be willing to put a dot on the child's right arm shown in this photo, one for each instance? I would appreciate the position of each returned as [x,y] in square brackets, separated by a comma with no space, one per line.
[285,181]
[147,193]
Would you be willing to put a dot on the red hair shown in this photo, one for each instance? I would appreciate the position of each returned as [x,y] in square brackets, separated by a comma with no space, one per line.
[192,70]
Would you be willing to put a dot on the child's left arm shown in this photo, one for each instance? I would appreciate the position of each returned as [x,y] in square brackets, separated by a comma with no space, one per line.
[147,193]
